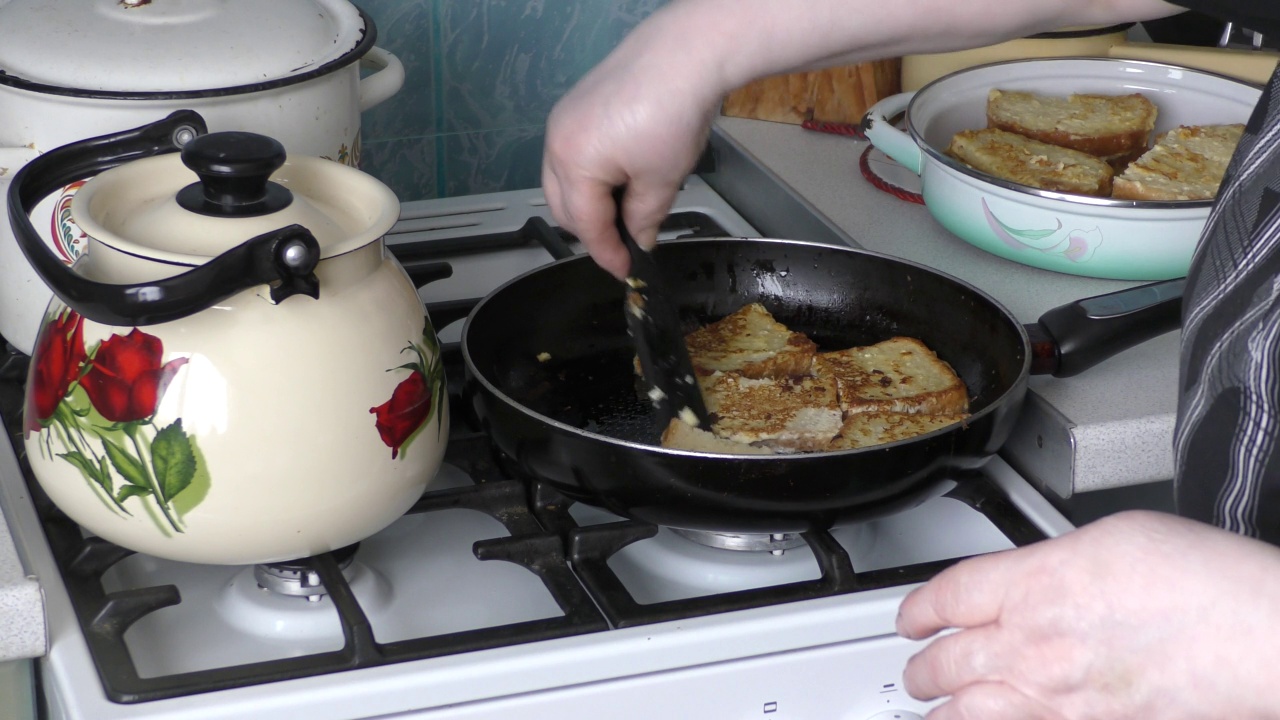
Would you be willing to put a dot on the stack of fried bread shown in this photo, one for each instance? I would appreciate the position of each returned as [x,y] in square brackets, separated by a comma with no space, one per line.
[1186,163]
[770,390]
[1092,144]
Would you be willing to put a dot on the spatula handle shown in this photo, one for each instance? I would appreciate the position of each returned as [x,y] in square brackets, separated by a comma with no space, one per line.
[638,254]
[655,329]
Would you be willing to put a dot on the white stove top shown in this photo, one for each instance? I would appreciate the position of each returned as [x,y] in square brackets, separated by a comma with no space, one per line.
[419,577]
[475,638]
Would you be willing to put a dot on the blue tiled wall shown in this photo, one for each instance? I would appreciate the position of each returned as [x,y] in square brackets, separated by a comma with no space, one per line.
[481,76]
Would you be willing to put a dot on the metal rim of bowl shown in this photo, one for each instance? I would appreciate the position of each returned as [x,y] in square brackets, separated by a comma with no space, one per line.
[1073,198]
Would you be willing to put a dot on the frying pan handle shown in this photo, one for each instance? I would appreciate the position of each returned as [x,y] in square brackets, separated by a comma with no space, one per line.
[1072,338]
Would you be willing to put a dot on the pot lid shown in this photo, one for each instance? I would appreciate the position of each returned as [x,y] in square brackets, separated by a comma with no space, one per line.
[187,209]
[175,46]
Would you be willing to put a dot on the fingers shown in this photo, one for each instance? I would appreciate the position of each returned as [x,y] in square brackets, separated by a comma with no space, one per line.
[953,662]
[645,206]
[587,210]
[967,594]
[992,701]
[592,213]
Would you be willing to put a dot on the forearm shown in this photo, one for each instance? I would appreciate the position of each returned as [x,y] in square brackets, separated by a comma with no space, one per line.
[731,42]
[640,117]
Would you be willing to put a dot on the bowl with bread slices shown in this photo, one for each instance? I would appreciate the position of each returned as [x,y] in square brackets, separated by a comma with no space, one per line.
[1099,167]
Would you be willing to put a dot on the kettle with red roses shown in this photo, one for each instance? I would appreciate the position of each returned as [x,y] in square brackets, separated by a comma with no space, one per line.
[236,371]
[98,405]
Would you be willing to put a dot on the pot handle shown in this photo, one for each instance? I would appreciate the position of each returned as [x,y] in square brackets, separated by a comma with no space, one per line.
[879,129]
[284,258]
[386,80]
[11,159]
[1072,338]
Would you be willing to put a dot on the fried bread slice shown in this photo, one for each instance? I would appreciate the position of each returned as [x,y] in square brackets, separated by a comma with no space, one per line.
[1186,163]
[1100,125]
[864,429]
[794,414]
[752,343]
[680,435]
[1020,159]
[900,374]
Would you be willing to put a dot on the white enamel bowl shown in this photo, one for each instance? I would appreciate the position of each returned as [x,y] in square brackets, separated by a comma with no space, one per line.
[1075,234]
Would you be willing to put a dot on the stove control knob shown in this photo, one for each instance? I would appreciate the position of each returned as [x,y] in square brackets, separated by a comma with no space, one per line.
[896,715]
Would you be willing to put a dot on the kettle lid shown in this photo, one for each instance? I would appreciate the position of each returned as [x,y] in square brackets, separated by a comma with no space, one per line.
[223,189]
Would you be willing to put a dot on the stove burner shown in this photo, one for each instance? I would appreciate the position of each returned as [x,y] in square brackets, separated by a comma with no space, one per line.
[776,543]
[298,578]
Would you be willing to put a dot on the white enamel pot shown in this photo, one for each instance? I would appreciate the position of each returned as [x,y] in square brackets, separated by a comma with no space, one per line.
[1075,234]
[236,371]
[289,69]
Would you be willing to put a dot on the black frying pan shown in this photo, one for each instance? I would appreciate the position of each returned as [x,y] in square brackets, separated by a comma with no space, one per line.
[550,375]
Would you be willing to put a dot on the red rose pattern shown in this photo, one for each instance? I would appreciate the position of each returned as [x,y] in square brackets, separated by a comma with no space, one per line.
[125,379]
[399,417]
[60,356]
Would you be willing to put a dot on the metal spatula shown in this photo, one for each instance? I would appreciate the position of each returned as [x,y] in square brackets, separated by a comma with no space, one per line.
[655,329]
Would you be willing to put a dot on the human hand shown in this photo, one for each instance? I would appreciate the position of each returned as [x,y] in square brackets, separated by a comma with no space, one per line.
[1138,615]
[639,119]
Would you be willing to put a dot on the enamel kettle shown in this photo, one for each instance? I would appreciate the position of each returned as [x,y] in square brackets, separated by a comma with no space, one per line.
[236,371]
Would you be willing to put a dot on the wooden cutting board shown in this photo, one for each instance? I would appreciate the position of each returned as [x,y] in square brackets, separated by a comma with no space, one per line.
[837,95]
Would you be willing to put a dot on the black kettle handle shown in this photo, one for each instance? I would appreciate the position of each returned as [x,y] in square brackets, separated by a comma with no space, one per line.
[284,258]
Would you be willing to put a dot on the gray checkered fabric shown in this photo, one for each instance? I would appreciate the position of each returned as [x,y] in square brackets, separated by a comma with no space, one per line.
[1228,432]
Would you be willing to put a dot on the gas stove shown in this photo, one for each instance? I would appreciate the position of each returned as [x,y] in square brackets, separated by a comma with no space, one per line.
[495,597]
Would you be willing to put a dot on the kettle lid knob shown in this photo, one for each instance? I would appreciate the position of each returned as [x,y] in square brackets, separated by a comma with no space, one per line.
[234,168]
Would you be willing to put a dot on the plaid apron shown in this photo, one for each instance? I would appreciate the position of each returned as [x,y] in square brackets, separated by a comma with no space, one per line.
[1227,468]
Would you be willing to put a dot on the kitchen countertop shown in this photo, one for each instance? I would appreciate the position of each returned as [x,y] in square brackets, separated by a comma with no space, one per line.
[22,620]
[22,612]
[1111,426]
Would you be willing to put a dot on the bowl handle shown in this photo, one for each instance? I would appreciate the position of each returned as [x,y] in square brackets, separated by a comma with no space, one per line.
[284,258]
[879,129]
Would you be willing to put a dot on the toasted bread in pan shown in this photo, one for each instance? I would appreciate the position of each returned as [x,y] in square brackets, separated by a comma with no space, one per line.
[898,375]
[680,435]
[752,343]
[787,414]
[864,429]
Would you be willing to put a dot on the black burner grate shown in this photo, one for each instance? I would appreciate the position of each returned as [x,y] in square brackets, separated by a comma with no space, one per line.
[590,548]
[538,231]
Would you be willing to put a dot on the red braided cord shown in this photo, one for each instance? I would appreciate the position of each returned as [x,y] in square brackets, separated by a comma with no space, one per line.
[864,165]
[834,128]
[901,193]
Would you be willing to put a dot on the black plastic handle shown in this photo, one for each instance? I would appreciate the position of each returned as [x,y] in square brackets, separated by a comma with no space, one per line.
[654,325]
[235,175]
[283,258]
[1072,338]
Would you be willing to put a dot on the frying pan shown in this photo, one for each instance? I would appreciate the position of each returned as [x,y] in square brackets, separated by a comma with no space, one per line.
[550,377]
